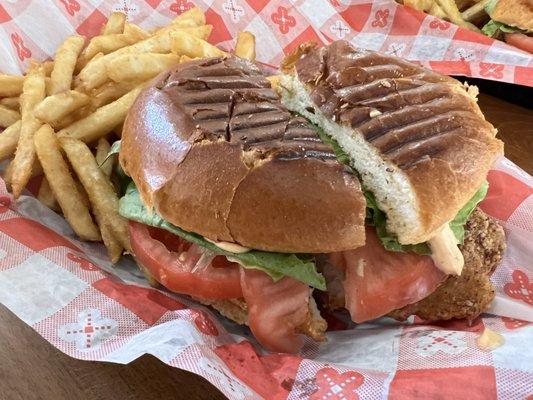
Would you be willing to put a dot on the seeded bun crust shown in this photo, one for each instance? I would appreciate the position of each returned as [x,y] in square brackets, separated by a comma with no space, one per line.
[212,149]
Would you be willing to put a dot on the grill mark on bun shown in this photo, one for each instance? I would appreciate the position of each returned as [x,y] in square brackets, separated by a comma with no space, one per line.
[417,138]
[234,101]
[393,103]
[420,130]
[231,163]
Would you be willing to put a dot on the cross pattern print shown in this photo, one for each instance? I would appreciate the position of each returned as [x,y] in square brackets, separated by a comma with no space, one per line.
[128,7]
[464,54]
[180,6]
[339,29]
[233,9]
[229,384]
[490,70]
[335,386]
[449,342]
[396,49]
[90,330]
[520,288]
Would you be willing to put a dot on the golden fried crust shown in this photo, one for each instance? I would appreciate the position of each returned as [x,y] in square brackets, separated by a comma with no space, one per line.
[470,294]
[237,310]
[234,309]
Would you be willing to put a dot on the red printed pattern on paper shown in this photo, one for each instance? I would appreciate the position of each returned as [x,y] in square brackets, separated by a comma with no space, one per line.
[520,288]
[180,6]
[204,323]
[474,383]
[83,262]
[22,51]
[439,24]
[380,18]
[505,194]
[335,386]
[489,70]
[148,304]
[5,202]
[72,6]
[511,323]
[33,235]
[284,20]
[271,376]
[4,16]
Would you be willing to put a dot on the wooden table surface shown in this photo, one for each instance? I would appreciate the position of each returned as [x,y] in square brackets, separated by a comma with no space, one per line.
[30,368]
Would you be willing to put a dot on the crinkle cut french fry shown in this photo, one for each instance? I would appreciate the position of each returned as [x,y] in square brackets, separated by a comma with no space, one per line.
[104,162]
[139,67]
[64,64]
[94,75]
[115,24]
[10,85]
[8,140]
[33,93]
[58,106]
[185,44]
[98,186]
[102,121]
[62,184]
[245,47]
[8,116]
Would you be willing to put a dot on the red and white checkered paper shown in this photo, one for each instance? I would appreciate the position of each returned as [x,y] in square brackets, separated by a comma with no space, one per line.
[69,293]
[34,29]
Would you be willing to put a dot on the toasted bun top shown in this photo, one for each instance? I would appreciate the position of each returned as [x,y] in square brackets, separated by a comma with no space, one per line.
[417,138]
[212,149]
[517,13]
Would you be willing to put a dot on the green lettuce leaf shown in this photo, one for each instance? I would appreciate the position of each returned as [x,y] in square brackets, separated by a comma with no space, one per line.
[457,225]
[377,218]
[494,28]
[276,265]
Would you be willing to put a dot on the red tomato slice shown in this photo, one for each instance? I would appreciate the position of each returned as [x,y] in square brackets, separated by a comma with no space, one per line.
[275,309]
[520,40]
[379,281]
[174,263]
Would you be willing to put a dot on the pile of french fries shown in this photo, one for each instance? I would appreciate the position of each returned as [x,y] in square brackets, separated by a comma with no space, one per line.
[60,118]
[469,14]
